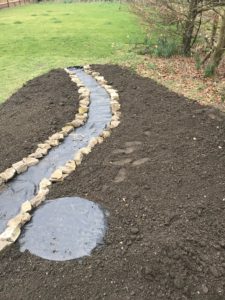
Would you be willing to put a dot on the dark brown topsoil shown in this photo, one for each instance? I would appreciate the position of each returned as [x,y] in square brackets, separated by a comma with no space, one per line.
[166,236]
[33,113]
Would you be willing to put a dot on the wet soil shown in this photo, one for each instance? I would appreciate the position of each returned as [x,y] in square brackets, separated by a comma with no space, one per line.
[33,113]
[161,177]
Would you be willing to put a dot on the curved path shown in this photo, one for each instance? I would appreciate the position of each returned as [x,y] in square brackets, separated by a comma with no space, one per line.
[25,186]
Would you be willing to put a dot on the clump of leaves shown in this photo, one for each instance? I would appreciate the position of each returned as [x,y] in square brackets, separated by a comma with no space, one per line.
[18,22]
[164,47]
[152,66]
[197,61]
[209,70]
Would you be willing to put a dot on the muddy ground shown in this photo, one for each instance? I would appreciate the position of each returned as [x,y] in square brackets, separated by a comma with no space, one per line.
[33,113]
[161,176]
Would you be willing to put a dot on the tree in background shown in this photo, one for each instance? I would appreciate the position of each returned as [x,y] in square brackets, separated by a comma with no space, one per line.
[189,15]
[219,49]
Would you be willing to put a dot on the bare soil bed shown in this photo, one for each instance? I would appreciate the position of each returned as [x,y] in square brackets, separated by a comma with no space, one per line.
[35,112]
[161,176]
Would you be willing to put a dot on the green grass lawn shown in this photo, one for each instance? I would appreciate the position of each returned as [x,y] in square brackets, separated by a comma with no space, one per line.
[38,37]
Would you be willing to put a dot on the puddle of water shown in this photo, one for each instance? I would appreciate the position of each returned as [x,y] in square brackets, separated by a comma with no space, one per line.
[64,229]
[25,185]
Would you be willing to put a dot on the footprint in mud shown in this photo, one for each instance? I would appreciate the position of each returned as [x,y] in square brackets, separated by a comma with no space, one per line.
[212,113]
[130,147]
[140,161]
[121,176]
[133,143]
[147,132]
[122,162]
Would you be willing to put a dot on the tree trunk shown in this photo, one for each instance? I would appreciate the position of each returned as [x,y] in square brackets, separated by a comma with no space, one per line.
[220,47]
[214,29]
[190,26]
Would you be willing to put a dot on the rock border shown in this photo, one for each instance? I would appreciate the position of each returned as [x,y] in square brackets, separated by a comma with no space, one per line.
[14,225]
[54,140]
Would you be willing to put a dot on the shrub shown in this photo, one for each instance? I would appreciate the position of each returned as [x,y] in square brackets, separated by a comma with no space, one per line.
[209,70]
[163,47]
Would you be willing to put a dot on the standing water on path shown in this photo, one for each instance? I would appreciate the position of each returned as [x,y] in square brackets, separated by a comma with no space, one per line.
[24,186]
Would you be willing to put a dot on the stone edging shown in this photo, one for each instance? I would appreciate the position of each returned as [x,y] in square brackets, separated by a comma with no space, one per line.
[54,140]
[13,229]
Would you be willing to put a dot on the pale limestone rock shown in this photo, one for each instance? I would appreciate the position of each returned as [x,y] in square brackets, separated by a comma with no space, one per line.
[84,101]
[7,174]
[19,220]
[30,161]
[82,109]
[76,80]
[44,183]
[68,124]
[81,116]
[85,95]
[100,139]
[67,70]
[93,141]
[66,170]
[71,164]
[105,134]
[80,84]
[115,117]
[95,74]
[114,96]
[39,153]
[78,158]
[115,107]
[99,78]
[67,129]
[44,146]
[4,244]
[110,90]
[108,87]
[82,90]
[20,167]
[56,176]
[65,175]
[53,143]
[63,132]
[117,113]
[38,199]
[57,136]
[85,150]
[114,124]
[43,191]
[26,207]
[11,234]
[87,67]
[77,123]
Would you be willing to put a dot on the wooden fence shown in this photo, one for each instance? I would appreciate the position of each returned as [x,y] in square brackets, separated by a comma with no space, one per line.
[11,3]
